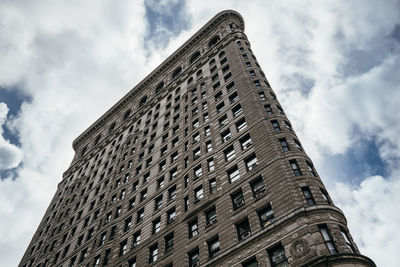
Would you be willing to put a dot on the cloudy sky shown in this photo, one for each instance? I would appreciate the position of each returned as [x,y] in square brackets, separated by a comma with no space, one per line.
[334,65]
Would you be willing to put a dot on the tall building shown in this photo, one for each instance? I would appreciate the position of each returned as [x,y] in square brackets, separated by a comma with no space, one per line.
[197,165]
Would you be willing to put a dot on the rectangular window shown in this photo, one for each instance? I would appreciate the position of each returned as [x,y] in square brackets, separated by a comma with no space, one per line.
[140,215]
[258,187]
[153,253]
[230,87]
[136,239]
[241,124]
[284,144]
[223,120]
[311,168]
[122,247]
[229,153]
[160,183]
[237,110]
[213,185]
[252,74]
[346,238]
[213,247]
[186,203]
[295,167]
[198,194]
[227,76]
[211,216]
[257,83]
[233,174]
[171,216]
[226,135]
[237,199]
[251,162]
[128,223]
[172,193]
[327,238]
[158,203]
[207,131]
[277,257]
[143,195]
[307,194]
[156,226]
[197,172]
[169,242]
[220,106]
[268,109]
[243,229]
[262,96]
[266,216]
[194,258]
[275,125]
[193,228]
[218,96]
[325,196]
[210,163]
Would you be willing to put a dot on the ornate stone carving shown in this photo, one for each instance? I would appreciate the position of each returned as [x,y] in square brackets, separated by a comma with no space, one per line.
[299,248]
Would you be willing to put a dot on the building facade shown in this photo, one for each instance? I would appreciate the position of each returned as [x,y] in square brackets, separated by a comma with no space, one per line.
[197,165]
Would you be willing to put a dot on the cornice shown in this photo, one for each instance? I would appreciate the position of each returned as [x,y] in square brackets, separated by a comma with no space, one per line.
[171,60]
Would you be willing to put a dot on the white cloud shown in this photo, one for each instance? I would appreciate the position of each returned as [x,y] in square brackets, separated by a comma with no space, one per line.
[76,59]
[10,155]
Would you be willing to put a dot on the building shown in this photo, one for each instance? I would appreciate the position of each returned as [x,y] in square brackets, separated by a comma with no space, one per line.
[197,165]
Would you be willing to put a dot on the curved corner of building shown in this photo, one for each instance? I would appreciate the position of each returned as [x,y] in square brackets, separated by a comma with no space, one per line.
[341,260]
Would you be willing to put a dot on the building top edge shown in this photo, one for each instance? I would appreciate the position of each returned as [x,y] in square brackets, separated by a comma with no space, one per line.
[167,62]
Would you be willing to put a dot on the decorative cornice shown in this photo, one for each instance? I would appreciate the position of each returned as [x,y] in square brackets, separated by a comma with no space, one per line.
[155,73]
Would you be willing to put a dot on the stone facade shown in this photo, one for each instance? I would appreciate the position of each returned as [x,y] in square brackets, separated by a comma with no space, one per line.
[197,165]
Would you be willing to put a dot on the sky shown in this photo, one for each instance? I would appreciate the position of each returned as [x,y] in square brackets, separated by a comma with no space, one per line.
[334,66]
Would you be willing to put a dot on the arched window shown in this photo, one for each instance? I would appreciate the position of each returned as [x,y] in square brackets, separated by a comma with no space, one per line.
[212,62]
[176,72]
[221,54]
[213,41]
[97,139]
[190,80]
[199,73]
[127,113]
[112,126]
[159,87]
[143,101]
[195,56]
[83,151]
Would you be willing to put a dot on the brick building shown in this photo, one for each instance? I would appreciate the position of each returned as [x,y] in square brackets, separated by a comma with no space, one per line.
[197,165]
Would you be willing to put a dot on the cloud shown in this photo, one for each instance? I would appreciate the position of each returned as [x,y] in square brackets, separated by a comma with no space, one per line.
[10,155]
[333,66]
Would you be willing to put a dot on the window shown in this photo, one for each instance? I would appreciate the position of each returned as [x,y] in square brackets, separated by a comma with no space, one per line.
[288,125]
[143,194]
[160,182]
[295,167]
[252,74]
[193,228]
[186,203]
[280,109]
[230,87]
[243,229]
[268,109]
[311,168]
[135,185]
[241,124]
[194,57]
[325,196]
[102,239]
[220,106]
[172,193]
[122,247]
[132,203]
[171,216]
[158,203]
[132,262]
[162,165]
[233,174]
[257,83]
[298,145]
[245,141]
[195,123]
[198,194]
[284,144]
[227,76]
[226,135]
[213,185]
[213,247]
[223,61]
[156,226]
[218,96]
[176,72]
[169,242]
[211,216]
[229,153]
[237,199]
[197,172]
[118,212]
[308,195]
[194,258]
[347,240]
[153,253]
[258,187]
[214,77]
[207,131]
[225,69]
[327,238]
[196,137]
[223,120]
[146,177]
[250,263]
[208,146]
[112,233]
[277,257]
[205,117]
[210,163]
[140,215]
[262,96]
[128,223]
[136,239]
[173,173]
[251,162]
[266,216]
[106,257]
